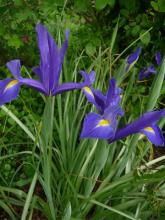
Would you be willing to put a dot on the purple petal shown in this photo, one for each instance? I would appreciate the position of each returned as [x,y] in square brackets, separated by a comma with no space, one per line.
[146,72]
[89,94]
[38,72]
[144,121]
[34,84]
[154,134]
[62,52]
[95,126]
[99,100]
[9,89]
[158,57]
[54,62]
[132,58]
[113,94]
[67,87]
[43,45]
[88,78]
[15,67]
[111,113]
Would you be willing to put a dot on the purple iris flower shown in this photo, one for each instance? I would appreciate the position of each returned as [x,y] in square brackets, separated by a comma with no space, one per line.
[51,60]
[101,101]
[132,58]
[103,125]
[158,58]
[150,69]
[146,125]
[146,72]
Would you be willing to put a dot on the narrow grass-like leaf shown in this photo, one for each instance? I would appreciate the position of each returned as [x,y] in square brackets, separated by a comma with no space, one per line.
[29,197]
[156,87]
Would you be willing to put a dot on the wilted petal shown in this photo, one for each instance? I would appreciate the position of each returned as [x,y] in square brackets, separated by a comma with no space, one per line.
[154,134]
[15,67]
[9,89]
[146,72]
[158,57]
[132,58]
[138,125]
[95,126]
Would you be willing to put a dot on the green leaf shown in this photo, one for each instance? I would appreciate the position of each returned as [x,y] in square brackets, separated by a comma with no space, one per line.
[67,212]
[145,39]
[161,5]
[100,4]
[15,42]
[156,87]
[90,49]
[154,5]
[111,3]
[81,5]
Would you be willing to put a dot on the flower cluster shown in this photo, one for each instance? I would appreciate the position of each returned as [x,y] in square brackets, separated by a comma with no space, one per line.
[103,125]
[48,72]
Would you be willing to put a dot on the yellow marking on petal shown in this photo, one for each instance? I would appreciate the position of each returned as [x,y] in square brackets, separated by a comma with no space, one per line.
[149,129]
[103,123]
[11,84]
[88,90]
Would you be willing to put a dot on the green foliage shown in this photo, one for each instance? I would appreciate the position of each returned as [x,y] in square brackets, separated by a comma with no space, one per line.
[45,167]
[158,5]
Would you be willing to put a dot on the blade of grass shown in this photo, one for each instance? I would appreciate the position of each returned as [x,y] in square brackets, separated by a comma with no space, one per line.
[14,117]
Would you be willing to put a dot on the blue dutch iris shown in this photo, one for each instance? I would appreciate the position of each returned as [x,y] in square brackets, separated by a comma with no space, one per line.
[132,59]
[145,72]
[104,125]
[48,72]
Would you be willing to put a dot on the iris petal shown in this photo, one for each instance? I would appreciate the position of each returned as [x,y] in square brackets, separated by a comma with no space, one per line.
[154,134]
[138,125]
[14,66]
[9,90]
[95,126]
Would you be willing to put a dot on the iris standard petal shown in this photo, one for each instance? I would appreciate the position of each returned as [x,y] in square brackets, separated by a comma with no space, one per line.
[99,100]
[113,94]
[89,78]
[95,126]
[154,134]
[132,58]
[15,67]
[158,57]
[54,63]
[9,89]
[62,52]
[144,121]
[43,45]
[146,72]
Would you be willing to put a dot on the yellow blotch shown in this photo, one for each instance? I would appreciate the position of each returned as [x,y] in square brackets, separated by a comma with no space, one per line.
[88,90]
[149,129]
[103,123]
[11,84]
